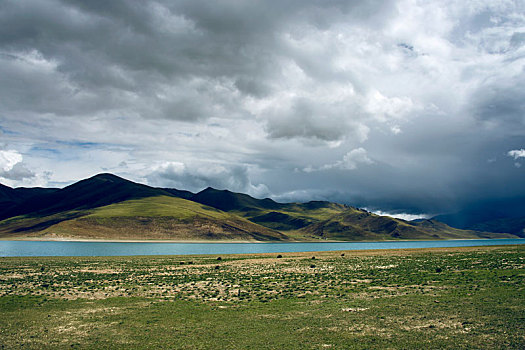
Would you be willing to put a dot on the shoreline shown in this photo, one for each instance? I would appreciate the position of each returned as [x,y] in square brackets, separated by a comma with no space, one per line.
[96,240]
[303,250]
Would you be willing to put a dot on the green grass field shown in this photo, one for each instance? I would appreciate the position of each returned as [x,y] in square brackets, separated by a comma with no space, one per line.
[456,298]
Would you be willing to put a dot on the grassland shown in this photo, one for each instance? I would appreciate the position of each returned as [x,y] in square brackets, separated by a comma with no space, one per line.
[455,298]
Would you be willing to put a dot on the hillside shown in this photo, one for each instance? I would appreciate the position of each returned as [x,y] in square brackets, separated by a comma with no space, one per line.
[160,217]
[330,221]
[294,216]
[358,225]
[268,213]
[99,190]
[109,207]
[106,206]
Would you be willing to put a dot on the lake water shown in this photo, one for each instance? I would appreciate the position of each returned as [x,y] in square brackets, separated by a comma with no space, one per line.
[37,248]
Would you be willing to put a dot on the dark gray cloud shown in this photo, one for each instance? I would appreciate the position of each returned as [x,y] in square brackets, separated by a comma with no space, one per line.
[196,178]
[309,118]
[140,56]
[499,103]
[399,106]
[18,172]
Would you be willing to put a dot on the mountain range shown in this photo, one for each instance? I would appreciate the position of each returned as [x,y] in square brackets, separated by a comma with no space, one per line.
[106,206]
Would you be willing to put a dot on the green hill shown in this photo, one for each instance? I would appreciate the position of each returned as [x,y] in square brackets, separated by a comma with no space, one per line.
[106,206]
[99,190]
[160,217]
[294,216]
[268,213]
[359,225]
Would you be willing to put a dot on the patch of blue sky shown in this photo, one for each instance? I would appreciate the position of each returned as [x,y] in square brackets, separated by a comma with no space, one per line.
[69,150]
[89,145]
[58,184]
[42,150]
[79,144]
[6,131]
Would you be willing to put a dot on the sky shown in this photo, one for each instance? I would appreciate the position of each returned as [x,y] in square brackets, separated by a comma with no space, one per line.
[403,107]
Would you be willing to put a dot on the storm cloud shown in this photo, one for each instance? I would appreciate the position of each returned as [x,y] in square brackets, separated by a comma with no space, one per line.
[401,106]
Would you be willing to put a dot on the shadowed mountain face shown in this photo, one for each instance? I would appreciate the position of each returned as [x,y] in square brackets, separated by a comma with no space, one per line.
[6,193]
[228,201]
[11,197]
[280,221]
[24,193]
[7,198]
[179,193]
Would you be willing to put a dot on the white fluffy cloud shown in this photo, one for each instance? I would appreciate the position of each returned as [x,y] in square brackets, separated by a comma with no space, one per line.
[8,159]
[12,168]
[517,153]
[403,216]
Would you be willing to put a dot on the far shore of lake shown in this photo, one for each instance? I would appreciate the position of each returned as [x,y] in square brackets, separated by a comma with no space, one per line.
[74,239]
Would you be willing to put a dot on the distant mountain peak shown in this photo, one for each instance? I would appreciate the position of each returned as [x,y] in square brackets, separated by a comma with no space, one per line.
[209,188]
[227,200]
[108,177]
[5,187]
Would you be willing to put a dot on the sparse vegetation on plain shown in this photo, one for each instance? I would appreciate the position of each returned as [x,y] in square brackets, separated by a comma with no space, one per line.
[431,298]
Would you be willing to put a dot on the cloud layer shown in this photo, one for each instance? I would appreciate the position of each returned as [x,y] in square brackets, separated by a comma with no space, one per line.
[399,106]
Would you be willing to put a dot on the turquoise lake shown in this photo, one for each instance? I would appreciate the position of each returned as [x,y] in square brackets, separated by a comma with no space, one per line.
[38,248]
